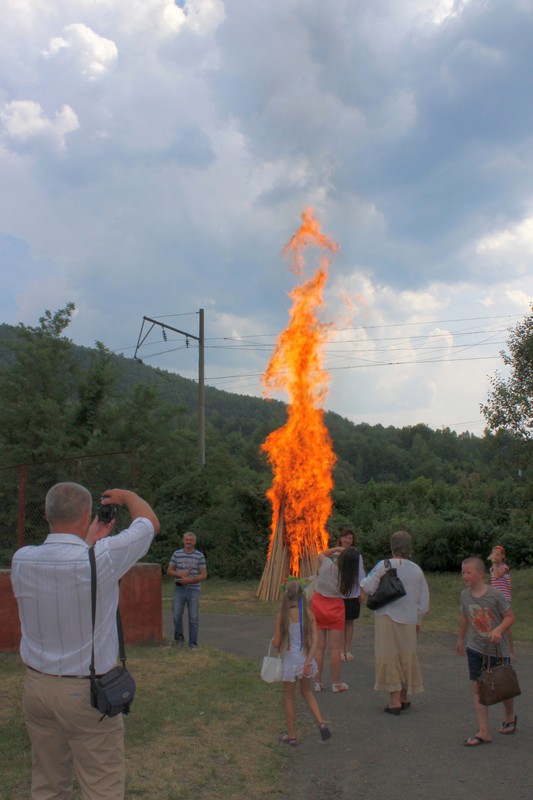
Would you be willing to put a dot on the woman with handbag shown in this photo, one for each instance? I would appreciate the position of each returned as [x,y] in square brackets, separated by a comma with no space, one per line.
[397,623]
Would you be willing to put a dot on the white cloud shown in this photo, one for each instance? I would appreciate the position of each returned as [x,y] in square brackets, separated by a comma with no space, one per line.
[508,249]
[204,16]
[25,120]
[95,54]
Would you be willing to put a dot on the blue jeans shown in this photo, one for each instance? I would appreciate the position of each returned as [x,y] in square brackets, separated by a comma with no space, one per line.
[186,596]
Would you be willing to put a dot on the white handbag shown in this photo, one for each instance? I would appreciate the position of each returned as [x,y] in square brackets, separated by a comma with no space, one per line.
[272,668]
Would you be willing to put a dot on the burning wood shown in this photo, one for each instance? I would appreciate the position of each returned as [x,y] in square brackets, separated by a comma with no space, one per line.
[300,452]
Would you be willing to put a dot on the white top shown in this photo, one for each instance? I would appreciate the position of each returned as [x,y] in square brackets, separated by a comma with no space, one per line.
[410,609]
[52,584]
[327,583]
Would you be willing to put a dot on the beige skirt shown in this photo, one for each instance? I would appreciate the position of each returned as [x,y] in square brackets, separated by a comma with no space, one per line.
[397,664]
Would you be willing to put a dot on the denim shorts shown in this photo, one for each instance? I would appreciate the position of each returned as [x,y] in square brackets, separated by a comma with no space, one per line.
[475,662]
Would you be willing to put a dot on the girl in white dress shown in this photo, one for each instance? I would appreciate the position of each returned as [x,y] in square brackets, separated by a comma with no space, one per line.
[296,636]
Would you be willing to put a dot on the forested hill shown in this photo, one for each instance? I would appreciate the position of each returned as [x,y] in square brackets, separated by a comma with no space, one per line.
[364,452]
[59,400]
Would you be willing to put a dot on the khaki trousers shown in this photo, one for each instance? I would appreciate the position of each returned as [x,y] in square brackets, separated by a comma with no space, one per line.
[68,739]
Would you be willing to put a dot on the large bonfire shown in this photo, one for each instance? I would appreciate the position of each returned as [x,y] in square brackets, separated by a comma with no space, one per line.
[300,453]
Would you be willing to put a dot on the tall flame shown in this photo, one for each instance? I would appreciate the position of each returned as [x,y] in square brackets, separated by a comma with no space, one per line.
[301,452]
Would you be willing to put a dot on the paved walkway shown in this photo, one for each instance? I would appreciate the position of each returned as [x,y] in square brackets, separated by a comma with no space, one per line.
[375,756]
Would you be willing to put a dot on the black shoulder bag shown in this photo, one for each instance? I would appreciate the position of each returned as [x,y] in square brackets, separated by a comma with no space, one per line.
[112,693]
[390,588]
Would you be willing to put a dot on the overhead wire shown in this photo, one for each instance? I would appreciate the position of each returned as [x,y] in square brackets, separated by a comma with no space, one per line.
[352,351]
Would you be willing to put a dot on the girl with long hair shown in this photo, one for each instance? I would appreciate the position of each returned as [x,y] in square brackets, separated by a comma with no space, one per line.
[335,579]
[354,597]
[295,636]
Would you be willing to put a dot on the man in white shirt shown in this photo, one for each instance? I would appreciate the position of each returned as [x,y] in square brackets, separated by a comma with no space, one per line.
[52,584]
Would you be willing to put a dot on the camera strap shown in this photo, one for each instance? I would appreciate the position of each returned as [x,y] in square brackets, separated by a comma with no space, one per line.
[121,648]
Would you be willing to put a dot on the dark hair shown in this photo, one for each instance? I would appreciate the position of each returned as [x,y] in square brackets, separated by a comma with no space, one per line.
[347,532]
[348,566]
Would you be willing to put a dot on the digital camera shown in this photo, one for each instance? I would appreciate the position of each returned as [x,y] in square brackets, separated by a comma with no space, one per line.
[107,513]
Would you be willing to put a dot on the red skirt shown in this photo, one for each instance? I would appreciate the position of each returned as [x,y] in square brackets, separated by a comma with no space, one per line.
[328,611]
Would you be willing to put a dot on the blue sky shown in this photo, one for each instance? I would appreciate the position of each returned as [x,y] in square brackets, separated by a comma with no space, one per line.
[156,156]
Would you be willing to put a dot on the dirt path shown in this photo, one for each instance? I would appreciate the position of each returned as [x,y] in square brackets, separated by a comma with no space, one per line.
[376,756]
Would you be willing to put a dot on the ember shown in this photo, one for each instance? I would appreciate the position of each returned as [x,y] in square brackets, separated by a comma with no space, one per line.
[300,452]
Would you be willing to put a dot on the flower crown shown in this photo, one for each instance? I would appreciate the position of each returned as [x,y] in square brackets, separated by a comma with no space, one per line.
[291,579]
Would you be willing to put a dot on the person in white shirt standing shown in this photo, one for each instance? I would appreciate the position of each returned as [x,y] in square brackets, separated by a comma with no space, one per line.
[396,626]
[52,584]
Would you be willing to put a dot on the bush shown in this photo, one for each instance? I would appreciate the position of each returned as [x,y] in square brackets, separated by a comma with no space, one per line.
[442,545]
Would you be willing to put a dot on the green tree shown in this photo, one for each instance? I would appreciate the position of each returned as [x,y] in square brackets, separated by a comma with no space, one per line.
[37,389]
[510,402]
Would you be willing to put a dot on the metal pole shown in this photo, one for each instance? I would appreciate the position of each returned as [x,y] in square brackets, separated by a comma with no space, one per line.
[21,524]
[201,390]
[201,376]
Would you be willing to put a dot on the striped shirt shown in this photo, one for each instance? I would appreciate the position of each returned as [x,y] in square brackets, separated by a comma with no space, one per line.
[194,561]
[503,583]
[52,584]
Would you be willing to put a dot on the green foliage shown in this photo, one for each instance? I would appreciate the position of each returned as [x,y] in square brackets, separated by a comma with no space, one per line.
[510,403]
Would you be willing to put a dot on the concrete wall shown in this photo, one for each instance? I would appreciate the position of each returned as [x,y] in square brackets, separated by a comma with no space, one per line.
[141,607]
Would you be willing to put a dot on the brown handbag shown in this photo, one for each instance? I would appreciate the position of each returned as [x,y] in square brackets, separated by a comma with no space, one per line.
[497,681]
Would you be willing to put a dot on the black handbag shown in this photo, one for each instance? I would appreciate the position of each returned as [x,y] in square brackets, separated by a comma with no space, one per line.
[497,681]
[112,693]
[390,589]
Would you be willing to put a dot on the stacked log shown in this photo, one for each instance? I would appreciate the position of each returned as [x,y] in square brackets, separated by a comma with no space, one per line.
[277,566]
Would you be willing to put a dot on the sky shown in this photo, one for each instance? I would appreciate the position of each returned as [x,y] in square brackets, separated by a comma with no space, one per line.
[156,156]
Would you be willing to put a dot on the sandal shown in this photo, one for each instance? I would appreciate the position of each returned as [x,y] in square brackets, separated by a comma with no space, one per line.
[475,741]
[288,740]
[508,728]
[339,687]
[347,656]
[318,687]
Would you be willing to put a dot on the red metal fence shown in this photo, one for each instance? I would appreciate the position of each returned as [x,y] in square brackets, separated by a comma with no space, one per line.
[23,489]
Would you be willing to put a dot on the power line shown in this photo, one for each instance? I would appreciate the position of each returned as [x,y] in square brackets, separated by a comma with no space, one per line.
[242,337]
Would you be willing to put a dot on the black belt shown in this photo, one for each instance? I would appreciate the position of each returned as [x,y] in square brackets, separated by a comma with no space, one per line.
[50,675]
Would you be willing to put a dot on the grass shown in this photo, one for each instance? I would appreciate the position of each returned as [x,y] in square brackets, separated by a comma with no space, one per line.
[193,732]
[203,723]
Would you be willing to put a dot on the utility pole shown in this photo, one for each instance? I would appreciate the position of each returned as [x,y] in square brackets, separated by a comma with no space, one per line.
[201,371]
